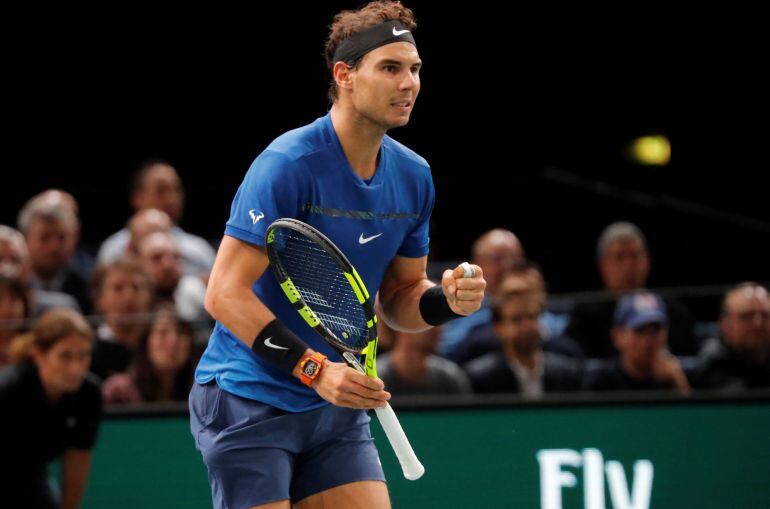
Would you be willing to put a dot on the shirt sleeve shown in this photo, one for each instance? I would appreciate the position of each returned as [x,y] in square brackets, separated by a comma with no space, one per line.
[273,188]
[417,241]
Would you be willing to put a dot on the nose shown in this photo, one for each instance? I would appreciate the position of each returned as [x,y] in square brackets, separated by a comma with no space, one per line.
[410,80]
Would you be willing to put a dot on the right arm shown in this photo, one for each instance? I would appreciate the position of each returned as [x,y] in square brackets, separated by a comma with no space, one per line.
[229,298]
[231,301]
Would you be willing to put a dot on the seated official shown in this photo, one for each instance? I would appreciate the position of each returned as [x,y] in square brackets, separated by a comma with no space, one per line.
[50,410]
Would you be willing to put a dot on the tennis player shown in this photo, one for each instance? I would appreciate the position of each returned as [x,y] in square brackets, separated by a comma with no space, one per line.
[259,409]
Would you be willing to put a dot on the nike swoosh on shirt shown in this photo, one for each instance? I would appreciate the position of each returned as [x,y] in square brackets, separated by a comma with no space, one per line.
[399,32]
[364,240]
[272,345]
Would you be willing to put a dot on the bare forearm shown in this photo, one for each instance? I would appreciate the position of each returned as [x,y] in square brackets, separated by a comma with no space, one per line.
[400,306]
[75,467]
[241,312]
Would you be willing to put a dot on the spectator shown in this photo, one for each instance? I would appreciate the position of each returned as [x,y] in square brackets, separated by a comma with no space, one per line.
[740,359]
[51,231]
[15,264]
[164,365]
[521,366]
[51,409]
[412,366]
[157,185]
[496,252]
[482,338]
[14,310]
[81,261]
[143,223]
[624,265]
[640,334]
[160,257]
[122,293]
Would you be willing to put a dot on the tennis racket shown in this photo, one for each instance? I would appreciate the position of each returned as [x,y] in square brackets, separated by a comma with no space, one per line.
[328,293]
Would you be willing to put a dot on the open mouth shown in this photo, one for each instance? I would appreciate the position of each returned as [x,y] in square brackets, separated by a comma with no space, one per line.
[402,104]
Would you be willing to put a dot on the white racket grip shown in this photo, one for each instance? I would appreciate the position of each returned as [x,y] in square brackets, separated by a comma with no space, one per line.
[411,466]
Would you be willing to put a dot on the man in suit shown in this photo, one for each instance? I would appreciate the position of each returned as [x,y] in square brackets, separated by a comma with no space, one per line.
[522,366]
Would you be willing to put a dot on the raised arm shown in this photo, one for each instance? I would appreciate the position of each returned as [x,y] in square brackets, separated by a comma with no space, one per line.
[408,301]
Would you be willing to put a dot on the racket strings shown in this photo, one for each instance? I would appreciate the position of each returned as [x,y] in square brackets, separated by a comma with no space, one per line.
[323,286]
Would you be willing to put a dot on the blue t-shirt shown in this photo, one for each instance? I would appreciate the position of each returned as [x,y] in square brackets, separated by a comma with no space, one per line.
[304,174]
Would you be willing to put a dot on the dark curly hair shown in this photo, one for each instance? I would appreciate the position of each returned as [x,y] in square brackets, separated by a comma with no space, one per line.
[347,23]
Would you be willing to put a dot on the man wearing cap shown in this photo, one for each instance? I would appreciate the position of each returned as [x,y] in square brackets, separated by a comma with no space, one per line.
[640,334]
[262,420]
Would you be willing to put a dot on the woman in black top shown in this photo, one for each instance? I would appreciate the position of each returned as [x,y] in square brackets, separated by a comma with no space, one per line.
[50,410]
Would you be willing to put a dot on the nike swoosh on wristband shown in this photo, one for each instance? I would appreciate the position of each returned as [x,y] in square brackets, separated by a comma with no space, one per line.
[272,345]
[399,32]
[364,240]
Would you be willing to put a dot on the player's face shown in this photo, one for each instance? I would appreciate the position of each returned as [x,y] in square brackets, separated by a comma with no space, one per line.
[65,365]
[386,84]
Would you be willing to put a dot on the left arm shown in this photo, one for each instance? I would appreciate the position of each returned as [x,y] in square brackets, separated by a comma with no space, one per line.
[76,464]
[405,282]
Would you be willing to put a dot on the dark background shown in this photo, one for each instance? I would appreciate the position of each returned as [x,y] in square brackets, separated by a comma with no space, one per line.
[520,115]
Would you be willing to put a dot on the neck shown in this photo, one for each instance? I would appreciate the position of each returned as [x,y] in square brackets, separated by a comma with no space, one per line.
[632,370]
[360,139]
[127,334]
[165,385]
[45,277]
[51,394]
[527,357]
[411,364]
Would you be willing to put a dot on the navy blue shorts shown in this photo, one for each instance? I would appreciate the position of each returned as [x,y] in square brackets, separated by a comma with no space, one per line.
[256,453]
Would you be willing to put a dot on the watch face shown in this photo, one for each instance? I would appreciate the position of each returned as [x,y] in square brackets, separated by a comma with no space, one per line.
[310,368]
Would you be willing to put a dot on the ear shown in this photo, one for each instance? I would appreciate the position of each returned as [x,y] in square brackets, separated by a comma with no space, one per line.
[137,200]
[724,325]
[343,75]
[618,336]
[36,354]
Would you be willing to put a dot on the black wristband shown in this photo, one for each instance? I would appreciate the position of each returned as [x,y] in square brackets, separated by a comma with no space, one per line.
[434,307]
[279,345]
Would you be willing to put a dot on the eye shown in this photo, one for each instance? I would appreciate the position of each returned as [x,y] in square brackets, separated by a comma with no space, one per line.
[390,68]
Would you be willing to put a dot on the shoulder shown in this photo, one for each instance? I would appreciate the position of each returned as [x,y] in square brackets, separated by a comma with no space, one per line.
[194,242]
[89,396]
[10,377]
[493,361]
[441,365]
[17,383]
[601,373]
[294,145]
[561,362]
[407,159]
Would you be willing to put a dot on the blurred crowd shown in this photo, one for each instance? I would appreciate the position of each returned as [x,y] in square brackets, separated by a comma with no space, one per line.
[143,292]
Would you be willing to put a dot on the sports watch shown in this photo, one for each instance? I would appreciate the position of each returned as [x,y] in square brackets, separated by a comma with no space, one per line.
[310,368]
